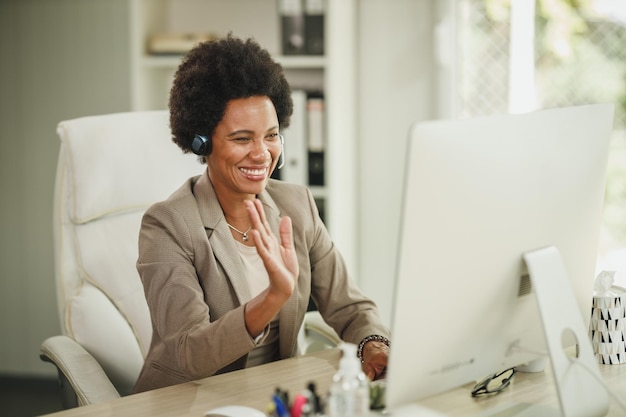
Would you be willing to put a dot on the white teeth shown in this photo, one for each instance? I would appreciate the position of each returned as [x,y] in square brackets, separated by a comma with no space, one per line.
[253,171]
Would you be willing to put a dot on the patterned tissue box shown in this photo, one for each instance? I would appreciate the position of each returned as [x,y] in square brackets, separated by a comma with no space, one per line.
[607,328]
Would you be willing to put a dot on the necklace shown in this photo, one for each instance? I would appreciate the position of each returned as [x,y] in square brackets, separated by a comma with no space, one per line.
[244,235]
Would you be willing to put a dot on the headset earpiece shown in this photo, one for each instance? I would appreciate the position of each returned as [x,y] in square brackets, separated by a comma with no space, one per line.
[201,145]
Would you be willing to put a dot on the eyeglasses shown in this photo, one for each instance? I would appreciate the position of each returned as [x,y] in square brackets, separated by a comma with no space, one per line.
[493,383]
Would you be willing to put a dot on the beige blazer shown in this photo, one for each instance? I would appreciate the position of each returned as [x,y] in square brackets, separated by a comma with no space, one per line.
[196,289]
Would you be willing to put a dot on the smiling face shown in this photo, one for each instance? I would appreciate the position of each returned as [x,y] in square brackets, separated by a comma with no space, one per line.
[246,147]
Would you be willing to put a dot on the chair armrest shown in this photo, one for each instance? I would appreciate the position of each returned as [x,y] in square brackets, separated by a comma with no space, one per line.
[316,328]
[81,370]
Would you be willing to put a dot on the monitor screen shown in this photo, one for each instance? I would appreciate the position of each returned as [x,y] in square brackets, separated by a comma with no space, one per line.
[478,195]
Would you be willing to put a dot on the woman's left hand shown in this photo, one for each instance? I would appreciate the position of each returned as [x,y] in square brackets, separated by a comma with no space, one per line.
[375,355]
[278,255]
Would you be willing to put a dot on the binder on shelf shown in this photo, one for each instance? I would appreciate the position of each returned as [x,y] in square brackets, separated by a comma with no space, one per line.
[296,143]
[176,43]
[314,26]
[292,30]
[316,168]
[316,132]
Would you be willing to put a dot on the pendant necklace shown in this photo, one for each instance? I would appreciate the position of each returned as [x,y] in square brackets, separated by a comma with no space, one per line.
[244,235]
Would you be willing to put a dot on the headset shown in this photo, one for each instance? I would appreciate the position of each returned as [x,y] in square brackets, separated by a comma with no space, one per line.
[201,145]
[281,157]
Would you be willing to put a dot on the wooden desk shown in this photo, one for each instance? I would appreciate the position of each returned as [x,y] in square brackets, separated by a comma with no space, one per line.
[252,387]
[255,386]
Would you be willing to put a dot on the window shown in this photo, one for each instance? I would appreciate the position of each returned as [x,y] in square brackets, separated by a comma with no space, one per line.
[520,55]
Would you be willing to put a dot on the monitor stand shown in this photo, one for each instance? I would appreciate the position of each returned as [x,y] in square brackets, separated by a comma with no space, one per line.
[580,393]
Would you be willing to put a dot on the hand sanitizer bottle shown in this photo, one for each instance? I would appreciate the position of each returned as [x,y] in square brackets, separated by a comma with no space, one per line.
[349,391]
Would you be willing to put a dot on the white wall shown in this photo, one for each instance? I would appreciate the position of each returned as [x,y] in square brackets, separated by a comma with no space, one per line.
[396,87]
[58,59]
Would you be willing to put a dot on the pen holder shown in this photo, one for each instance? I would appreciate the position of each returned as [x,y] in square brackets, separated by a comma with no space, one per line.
[607,329]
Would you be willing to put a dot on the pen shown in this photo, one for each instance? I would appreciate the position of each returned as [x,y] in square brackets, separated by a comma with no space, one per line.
[271,409]
[297,407]
[315,399]
[281,408]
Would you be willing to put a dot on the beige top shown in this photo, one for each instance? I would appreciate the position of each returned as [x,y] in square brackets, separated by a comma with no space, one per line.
[258,280]
[256,273]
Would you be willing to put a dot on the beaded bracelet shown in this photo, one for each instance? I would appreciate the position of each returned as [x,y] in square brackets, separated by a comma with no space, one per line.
[372,337]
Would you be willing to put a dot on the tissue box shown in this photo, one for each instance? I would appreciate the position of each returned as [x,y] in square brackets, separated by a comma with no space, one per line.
[607,329]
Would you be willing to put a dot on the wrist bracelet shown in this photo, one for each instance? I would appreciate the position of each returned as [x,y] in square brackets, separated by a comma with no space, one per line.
[372,337]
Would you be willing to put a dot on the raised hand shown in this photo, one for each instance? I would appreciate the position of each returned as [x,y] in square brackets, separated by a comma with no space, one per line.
[281,263]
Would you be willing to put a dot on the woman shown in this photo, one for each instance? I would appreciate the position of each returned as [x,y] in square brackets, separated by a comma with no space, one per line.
[229,261]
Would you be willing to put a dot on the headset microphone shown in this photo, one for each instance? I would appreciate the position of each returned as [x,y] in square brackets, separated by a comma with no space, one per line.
[201,145]
[281,157]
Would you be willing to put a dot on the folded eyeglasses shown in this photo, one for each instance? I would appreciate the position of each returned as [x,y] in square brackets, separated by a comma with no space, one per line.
[493,383]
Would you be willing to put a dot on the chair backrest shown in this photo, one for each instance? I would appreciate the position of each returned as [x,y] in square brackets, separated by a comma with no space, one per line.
[110,169]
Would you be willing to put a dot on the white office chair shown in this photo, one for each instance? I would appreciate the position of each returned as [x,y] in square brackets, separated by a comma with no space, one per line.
[111,168]
[316,335]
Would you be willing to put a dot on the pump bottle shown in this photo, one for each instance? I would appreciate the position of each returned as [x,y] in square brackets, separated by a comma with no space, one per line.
[349,391]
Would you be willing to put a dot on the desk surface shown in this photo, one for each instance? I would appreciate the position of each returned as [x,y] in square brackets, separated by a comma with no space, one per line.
[254,387]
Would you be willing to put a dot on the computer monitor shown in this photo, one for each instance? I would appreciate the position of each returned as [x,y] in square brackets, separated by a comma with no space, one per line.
[479,194]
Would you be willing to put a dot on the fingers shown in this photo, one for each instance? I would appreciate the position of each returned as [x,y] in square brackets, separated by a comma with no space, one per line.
[260,223]
[375,356]
[286,233]
[258,206]
[269,248]
[257,216]
[374,371]
[260,233]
